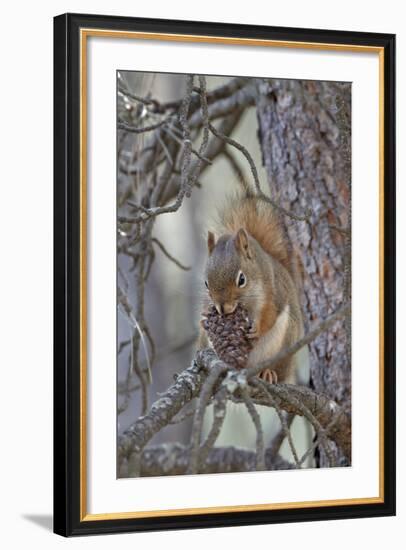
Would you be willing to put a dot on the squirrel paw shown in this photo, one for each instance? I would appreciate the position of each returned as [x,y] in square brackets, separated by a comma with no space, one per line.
[268,375]
[253,333]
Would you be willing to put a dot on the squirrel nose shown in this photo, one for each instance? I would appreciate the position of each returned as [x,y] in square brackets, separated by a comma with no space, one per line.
[225,308]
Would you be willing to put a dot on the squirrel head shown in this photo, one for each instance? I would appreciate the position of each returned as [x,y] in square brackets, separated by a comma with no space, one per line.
[232,273]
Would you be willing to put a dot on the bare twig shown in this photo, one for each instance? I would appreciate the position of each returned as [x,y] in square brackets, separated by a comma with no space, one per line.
[123,345]
[186,179]
[308,414]
[254,172]
[145,101]
[215,147]
[293,399]
[219,414]
[317,408]
[260,446]
[279,438]
[235,167]
[173,459]
[283,421]
[222,107]
[217,368]
[205,140]
[121,125]
[221,92]
[187,142]
[168,255]
[183,416]
[134,323]
[309,337]
[186,387]
[194,152]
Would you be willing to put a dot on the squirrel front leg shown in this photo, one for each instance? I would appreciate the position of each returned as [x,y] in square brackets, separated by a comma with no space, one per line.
[202,340]
[271,343]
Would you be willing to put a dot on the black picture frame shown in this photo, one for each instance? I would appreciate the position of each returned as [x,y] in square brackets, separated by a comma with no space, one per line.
[67,353]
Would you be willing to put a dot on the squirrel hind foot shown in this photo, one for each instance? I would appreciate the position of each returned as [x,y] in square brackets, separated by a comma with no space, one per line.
[268,375]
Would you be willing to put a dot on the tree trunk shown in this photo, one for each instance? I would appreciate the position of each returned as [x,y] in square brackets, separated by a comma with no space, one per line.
[304,133]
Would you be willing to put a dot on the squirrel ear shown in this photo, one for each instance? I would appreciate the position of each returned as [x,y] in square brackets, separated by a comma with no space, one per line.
[242,242]
[211,241]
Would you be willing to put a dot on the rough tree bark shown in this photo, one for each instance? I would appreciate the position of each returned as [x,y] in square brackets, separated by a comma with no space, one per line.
[304,133]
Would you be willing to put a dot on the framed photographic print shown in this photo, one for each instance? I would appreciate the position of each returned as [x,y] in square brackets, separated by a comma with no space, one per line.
[224,274]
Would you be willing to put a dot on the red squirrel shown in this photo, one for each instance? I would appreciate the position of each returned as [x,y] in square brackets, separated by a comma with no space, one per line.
[251,263]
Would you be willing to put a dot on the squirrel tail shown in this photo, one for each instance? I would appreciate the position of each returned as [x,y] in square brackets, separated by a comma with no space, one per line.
[261,220]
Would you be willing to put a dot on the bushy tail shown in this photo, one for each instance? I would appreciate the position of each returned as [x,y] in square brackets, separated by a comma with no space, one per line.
[261,221]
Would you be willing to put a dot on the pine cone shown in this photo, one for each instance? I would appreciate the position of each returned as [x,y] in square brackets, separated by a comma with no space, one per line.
[228,335]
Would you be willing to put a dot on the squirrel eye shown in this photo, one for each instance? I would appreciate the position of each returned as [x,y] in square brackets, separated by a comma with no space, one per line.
[205,282]
[241,280]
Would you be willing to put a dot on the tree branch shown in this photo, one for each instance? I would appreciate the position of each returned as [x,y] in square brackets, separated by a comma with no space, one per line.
[290,398]
[173,459]
[309,337]
[254,172]
[187,386]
